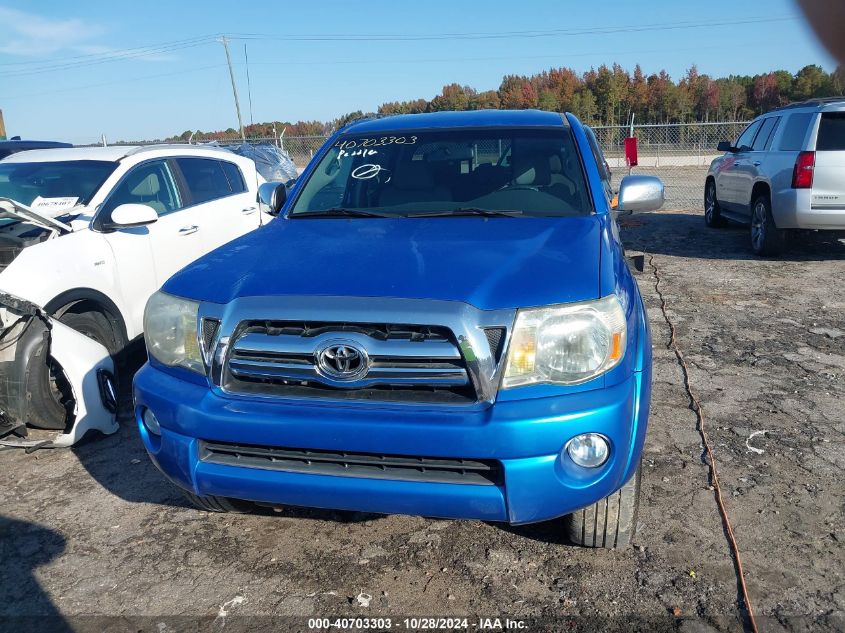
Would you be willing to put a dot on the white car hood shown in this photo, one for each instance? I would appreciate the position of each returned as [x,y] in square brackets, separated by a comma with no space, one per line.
[42,215]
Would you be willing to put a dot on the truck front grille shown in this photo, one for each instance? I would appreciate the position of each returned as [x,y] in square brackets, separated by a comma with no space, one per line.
[345,464]
[403,362]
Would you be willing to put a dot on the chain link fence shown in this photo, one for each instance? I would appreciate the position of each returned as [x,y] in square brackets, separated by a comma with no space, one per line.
[678,153]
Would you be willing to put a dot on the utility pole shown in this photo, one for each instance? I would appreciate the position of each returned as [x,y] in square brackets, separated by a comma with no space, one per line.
[234,87]
[248,86]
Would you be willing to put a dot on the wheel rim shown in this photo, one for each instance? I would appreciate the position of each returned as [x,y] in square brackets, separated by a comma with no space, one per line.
[709,202]
[758,225]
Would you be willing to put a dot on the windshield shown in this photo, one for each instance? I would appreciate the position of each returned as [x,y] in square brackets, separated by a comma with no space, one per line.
[53,185]
[455,172]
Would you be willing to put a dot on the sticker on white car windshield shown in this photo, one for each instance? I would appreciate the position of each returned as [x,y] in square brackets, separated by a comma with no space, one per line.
[53,205]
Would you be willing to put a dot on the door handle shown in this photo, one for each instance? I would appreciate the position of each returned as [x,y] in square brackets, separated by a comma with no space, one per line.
[249,210]
[757,163]
[187,230]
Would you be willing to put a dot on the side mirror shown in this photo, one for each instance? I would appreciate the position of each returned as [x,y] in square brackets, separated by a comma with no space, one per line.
[272,197]
[640,193]
[725,146]
[131,215]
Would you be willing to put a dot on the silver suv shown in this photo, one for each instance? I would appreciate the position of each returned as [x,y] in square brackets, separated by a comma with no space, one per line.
[786,171]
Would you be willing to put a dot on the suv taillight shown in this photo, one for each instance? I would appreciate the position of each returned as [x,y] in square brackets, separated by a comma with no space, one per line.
[802,173]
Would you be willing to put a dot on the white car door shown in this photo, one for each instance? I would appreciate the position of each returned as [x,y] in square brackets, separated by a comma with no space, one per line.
[225,206]
[145,257]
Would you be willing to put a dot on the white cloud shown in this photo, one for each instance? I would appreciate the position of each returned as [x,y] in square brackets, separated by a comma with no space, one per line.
[30,35]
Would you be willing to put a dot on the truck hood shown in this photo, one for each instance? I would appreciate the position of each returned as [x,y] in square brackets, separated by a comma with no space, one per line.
[490,263]
[39,217]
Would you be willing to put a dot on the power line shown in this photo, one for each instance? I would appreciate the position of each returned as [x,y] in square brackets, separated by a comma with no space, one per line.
[146,51]
[118,56]
[110,83]
[450,60]
[108,53]
[513,34]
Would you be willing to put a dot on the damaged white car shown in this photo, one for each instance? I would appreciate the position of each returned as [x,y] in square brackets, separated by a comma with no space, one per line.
[86,236]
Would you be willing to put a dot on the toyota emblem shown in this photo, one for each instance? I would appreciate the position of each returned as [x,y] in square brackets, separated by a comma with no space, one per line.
[342,360]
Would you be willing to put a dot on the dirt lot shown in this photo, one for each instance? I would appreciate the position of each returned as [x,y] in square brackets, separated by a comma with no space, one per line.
[97,531]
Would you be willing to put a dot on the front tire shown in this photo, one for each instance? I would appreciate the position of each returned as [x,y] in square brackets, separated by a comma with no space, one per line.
[712,211]
[610,522]
[766,238]
[210,503]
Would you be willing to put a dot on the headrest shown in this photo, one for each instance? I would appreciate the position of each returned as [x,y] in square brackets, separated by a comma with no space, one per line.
[147,187]
[531,169]
[413,175]
[555,164]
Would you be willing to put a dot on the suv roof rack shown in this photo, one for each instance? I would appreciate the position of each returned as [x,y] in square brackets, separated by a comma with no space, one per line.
[180,146]
[811,102]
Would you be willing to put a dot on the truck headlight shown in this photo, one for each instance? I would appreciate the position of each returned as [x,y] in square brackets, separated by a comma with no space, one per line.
[565,344]
[170,331]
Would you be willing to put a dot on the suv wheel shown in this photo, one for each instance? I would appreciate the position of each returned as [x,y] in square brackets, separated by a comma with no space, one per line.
[766,238]
[610,522]
[712,210]
[49,396]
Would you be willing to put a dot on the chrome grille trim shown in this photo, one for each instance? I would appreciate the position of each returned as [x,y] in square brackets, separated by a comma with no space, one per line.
[410,361]
[467,349]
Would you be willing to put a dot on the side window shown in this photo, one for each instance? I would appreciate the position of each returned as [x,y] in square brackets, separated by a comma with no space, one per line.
[204,179]
[151,184]
[765,132]
[795,131]
[831,132]
[234,176]
[743,143]
[600,161]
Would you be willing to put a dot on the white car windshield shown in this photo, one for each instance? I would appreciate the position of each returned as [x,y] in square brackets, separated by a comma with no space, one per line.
[80,179]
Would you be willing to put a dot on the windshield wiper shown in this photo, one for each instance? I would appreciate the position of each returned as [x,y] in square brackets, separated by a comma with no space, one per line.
[337,212]
[510,213]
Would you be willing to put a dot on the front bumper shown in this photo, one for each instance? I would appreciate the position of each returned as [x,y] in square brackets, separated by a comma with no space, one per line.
[526,436]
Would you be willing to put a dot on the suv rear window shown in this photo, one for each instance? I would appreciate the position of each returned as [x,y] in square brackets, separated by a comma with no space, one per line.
[831,132]
[795,131]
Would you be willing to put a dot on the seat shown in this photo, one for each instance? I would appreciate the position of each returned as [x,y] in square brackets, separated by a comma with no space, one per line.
[560,184]
[531,169]
[412,181]
[147,192]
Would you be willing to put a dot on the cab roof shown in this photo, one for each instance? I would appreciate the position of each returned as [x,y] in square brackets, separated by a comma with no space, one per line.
[464,119]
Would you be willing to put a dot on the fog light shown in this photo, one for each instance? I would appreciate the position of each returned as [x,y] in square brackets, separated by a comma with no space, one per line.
[589,450]
[151,422]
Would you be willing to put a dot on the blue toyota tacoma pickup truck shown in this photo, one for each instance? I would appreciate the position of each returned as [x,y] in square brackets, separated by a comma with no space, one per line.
[440,322]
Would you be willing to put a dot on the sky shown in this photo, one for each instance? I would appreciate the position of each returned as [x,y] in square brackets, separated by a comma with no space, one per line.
[144,70]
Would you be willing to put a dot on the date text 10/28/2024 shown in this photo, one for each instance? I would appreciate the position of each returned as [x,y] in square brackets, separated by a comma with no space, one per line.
[418,624]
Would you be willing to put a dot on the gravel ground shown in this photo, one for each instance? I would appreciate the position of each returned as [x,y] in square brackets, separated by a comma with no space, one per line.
[96,531]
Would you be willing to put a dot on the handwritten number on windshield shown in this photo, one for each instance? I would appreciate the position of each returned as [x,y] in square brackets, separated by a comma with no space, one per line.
[377,142]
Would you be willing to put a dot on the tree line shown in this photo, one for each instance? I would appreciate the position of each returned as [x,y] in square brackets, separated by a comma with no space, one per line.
[607,95]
